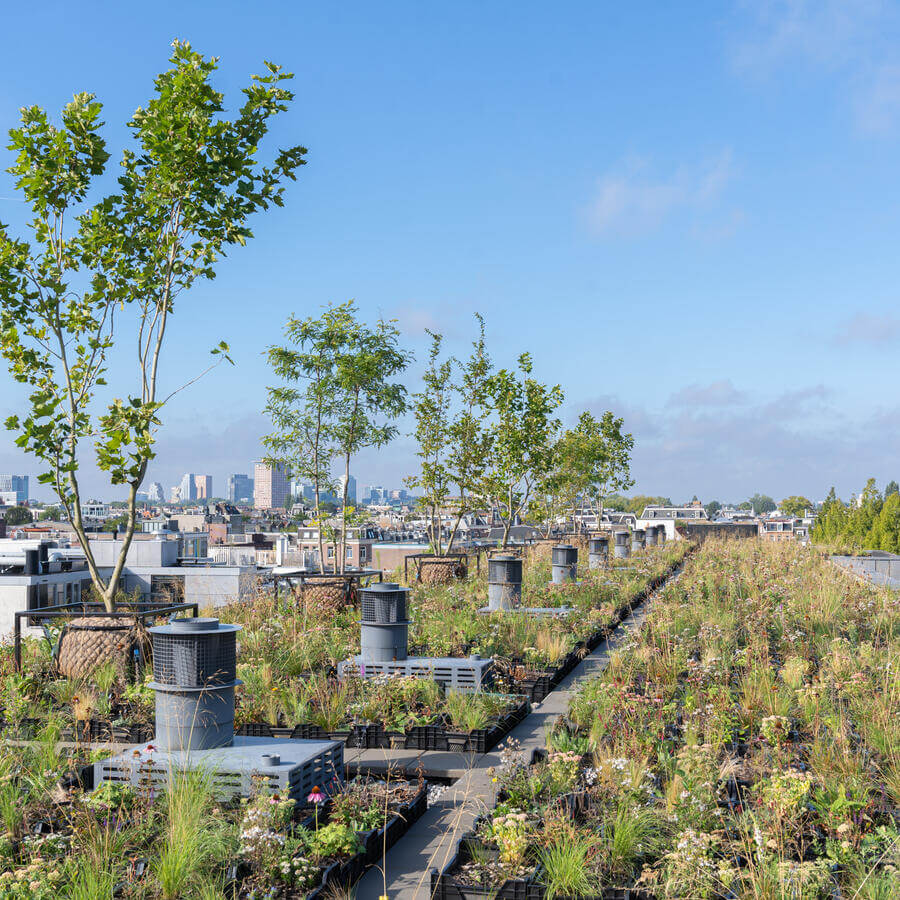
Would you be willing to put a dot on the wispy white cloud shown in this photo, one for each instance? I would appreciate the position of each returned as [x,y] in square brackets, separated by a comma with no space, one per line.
[414,319]
[854,41]
[868,329]
[796,441]
[632,199]
[718,393]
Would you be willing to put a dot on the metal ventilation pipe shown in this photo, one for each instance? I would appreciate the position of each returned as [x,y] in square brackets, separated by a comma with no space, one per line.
[384,628]
[565,563]
[637,539]
[504,582]
[32,563]
[598,552]
[650,540]
[194,679]
[620,549]
[660,534]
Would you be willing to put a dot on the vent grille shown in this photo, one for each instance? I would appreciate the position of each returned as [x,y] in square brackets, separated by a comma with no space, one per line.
[383,607]
[196,660]
[467,675]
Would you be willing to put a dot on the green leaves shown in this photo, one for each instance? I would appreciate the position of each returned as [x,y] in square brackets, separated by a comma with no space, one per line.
[522,426]
[187,189]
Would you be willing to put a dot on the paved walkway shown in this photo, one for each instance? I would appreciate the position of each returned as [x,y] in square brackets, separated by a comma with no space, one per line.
[431,842]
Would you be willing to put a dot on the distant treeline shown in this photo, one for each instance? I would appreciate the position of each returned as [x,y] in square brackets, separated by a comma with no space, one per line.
[870,523]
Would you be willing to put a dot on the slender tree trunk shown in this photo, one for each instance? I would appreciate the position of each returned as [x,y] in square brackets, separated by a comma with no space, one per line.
[344,514]
[459,517]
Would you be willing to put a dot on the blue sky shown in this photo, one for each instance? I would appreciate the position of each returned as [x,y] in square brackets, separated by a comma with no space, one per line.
[688,214]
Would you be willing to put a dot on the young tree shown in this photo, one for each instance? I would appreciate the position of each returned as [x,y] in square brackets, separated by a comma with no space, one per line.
[18,515]
[762,503]
[712,508]
[589,460]
[432,408]
[366,399]
[891,488]
[303,407]
[795,506]
[604,456]
[114,269]
[521,431]
[469,441]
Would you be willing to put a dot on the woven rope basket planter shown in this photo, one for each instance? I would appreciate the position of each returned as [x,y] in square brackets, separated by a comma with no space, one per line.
[438,570]
[94,640]
[324,596]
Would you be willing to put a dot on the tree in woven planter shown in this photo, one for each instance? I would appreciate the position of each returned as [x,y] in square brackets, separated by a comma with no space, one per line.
[367,400]
[469,439]
[303,407]
[521,427]
[432,409]
[99,272]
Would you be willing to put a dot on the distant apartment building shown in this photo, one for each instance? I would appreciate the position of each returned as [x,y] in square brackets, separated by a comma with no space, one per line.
[175,494]
[195,487]
[784,528]
[240,489]
[271,486]
[17,484]
[155,493]
[667,516]
[203,487]
[187,491]
[96,510]
[376,494]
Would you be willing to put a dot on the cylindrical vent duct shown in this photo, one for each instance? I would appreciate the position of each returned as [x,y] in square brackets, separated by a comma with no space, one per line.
[383,604]
[637,539]
[504,582]
[620,550]
[43,557]
[194,664]
[384,643]
[598,552]
[660,534]
[32,563]
[565,563]
[650,539]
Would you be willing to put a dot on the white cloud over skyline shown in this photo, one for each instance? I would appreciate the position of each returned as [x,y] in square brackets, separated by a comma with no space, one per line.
[633,199]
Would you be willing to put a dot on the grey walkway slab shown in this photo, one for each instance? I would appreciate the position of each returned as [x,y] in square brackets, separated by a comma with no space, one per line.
[406,870]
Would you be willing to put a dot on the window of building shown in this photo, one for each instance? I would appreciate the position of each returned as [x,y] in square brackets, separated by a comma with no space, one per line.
[362,555]
[349,553]
[331,552]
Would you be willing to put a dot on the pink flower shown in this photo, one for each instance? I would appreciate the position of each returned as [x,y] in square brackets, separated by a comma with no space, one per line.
[316,796]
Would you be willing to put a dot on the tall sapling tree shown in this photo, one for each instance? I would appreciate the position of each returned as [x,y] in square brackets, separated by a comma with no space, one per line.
[97,274]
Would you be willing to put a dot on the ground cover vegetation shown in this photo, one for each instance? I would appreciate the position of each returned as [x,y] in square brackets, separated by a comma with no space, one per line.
[289,650]
[745,743]
[60,839]
[183,842]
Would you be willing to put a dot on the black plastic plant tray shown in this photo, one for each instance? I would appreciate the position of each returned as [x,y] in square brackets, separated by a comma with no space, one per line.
[446,886]
[357,736]
[374,844]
